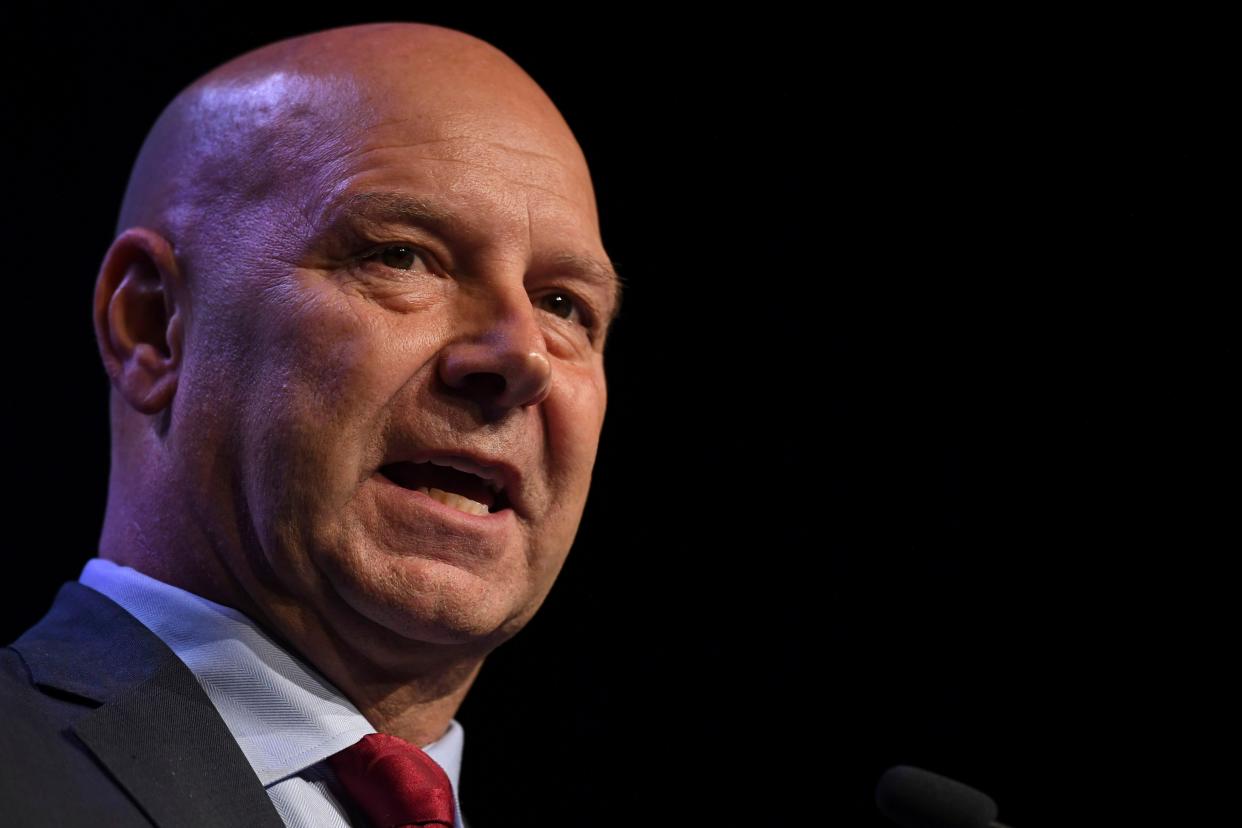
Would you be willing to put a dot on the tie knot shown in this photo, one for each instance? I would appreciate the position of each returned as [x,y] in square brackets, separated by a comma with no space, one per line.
[394,782]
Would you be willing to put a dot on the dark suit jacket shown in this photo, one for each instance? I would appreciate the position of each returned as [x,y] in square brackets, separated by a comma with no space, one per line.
[102,725]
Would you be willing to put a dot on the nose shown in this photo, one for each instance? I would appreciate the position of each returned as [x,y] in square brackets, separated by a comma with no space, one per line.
[499,360]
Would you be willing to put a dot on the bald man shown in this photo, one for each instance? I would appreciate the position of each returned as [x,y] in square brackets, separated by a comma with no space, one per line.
[354,320]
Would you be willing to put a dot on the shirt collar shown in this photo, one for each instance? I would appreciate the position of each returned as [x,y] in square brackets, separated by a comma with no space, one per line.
[283,713]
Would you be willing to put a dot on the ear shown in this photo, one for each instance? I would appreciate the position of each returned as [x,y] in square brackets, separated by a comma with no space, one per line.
[139,323]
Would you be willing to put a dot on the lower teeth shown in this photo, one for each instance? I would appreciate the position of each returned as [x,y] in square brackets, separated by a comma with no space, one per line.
[462,504]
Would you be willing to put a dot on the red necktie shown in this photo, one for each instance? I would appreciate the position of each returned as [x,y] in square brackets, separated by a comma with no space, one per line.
[394,782]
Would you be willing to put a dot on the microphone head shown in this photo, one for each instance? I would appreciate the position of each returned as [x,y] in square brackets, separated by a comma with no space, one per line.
[915,798]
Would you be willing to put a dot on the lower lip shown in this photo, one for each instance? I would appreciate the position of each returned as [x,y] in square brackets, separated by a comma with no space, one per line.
[411,498]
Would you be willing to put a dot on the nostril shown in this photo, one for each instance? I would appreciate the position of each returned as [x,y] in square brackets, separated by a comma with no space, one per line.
[496,375]
[492,385]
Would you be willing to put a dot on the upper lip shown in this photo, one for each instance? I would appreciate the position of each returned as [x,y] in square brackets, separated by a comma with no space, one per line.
[499,474]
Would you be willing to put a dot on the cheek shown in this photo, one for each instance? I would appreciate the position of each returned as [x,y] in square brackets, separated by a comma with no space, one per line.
[318,403]
[575,417]
[337,362]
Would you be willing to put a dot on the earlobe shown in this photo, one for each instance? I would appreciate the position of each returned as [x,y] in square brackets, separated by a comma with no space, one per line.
[139,319]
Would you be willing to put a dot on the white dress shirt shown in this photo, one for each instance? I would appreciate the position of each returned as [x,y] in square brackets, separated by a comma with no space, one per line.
[286,717]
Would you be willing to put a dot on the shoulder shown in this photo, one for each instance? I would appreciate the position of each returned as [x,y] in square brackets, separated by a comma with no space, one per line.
[33,719]
[50,776]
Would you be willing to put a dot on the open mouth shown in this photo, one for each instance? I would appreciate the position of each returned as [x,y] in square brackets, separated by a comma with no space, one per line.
[461,490]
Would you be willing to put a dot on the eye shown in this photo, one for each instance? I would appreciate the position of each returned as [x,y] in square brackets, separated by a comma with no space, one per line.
[564,304]
[397,256]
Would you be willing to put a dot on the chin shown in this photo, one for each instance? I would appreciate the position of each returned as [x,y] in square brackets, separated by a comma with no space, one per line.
[435,602]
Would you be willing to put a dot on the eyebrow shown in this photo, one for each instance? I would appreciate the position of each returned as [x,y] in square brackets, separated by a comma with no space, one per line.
[389,208]
[602,273]
[403,208]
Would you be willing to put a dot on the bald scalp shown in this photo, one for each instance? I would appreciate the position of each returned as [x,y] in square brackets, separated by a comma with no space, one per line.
[246,136]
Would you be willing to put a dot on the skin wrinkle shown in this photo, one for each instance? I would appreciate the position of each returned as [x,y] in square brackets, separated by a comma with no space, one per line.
[357,206]
[530,241]
[451,139]
[491,169]
[299,379]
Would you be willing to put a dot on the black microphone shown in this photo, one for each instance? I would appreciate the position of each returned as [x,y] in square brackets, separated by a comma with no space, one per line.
[915,798]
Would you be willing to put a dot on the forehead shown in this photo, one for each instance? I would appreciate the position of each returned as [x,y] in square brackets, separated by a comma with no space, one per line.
[498,175]
[476,147]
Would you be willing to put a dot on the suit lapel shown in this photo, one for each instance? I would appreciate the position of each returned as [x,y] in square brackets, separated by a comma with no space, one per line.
[156,731]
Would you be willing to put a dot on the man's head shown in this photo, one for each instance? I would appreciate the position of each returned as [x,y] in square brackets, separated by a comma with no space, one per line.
[339,257]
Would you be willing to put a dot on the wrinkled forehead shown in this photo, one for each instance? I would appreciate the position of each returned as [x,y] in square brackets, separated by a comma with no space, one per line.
[305,125]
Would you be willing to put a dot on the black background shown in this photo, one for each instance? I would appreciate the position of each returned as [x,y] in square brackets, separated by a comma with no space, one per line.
[916,444]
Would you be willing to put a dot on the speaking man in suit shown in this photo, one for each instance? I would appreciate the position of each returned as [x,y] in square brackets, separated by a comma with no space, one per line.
[354,319]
